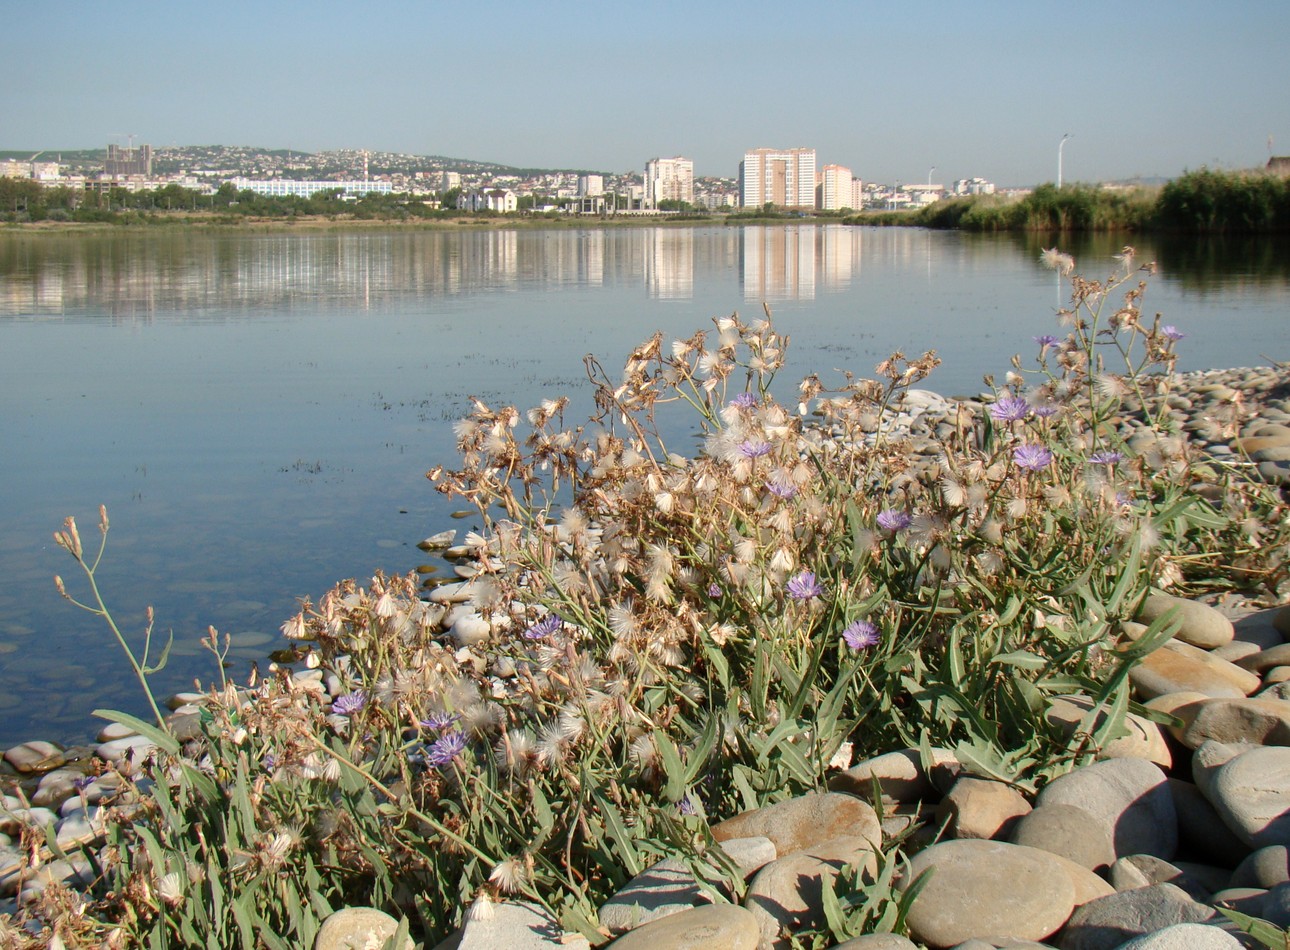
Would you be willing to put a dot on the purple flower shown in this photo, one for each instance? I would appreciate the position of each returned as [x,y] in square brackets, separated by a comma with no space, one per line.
[804,586]
[84,782]
[894,520]
[1010,409]
[1047,340]
[1171,332]
[1106,457]
[349,703]
[1032,457]
[744,401]
[860,635]
[686,806]
[269,762]
[714,590]
[754,448]
[445,749]
[781,486]
[1044,410]
[439,721]
[544,627]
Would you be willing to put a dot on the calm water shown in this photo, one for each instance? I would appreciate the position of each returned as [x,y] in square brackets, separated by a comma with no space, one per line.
[258,411]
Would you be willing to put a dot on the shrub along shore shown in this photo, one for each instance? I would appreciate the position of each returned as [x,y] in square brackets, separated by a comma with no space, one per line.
[1203,202]
[646,645]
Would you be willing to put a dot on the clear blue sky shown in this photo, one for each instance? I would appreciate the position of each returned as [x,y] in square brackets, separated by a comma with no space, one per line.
[986,88]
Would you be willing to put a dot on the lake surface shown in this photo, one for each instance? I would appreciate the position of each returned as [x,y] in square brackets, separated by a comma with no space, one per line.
[257,411]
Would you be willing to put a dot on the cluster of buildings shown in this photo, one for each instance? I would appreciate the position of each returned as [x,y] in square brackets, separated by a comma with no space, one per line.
[786,179]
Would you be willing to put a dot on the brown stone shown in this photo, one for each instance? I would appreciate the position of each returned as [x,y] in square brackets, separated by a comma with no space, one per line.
[804,822]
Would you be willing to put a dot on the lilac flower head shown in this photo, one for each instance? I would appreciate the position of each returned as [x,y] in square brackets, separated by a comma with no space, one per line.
[744,401]
[860,635]
[1045,409]
[84,782]
[754,448]
[439,722]
[1010,409]
[714,590]
[1171,332]
[804,586]
[1106,457]
[446,748]
[349,703]
[544,627]
[781,486]
[686,806]
[269,762]
[894,520]
[1047,340]
[1032,457]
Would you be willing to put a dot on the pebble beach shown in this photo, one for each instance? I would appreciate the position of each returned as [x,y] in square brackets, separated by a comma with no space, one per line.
[1132,852]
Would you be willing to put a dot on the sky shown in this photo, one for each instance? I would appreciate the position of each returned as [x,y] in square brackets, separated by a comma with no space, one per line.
[898,93]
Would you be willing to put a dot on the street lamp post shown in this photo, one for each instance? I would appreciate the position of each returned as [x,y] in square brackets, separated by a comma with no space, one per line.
[1061,145]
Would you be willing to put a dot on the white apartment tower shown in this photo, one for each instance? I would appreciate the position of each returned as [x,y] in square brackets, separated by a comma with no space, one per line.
[669,179]
[783,177]
[591,185]
[836,189]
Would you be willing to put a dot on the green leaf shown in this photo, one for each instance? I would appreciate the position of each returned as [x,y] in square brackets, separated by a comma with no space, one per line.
[152,732]
[626,847]
[672,767]
[1020,658]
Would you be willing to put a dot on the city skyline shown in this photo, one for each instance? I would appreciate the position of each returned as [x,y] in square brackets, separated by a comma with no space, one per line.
[959,92]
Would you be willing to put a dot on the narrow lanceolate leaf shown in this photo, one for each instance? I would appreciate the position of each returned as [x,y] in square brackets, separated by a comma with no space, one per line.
[152,733]
[672,767]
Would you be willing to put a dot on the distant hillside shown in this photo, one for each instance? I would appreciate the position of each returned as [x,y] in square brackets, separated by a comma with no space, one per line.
[250,159]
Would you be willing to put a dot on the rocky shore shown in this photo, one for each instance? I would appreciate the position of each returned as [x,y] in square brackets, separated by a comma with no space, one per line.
[1133,851]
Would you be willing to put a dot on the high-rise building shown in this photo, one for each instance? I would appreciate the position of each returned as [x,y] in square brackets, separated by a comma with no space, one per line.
[124,162]
[449,180]
[784,178]
[591,185]
[669,179]
[836,189]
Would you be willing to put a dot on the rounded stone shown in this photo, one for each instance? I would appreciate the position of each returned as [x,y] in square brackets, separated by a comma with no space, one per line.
[878,942]
[356,928]
[979,888]
[1265,868]
[36,756]
[980,808]
[1185,937]
[715,927]
[804,822]
[1200,624]
[900,776]
[1128,797]
[1144,739]
[1180,667]
[1068,831]
[1252,794]
[1109,922]
[786,894]
[1266,659]
[1252,721]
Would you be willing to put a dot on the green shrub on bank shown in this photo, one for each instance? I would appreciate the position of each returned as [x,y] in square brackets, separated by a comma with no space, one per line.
[1214,201]
[677,639]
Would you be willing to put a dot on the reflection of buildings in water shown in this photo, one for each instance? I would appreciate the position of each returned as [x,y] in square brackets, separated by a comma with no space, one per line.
[839,255]
[778,263]
[669,263]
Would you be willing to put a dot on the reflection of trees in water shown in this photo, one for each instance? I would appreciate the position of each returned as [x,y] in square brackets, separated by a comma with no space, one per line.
[1196,262]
